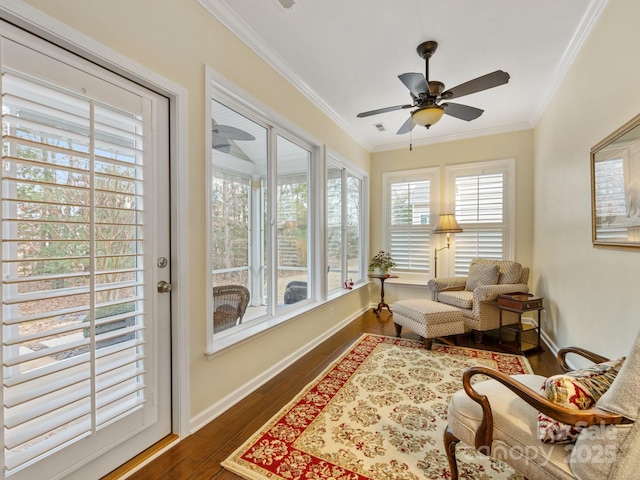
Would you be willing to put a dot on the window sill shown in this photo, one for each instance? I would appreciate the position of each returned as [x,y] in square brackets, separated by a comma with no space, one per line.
[243,333]
[405,279]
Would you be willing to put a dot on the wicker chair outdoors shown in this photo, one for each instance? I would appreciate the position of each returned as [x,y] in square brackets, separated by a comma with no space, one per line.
[295,291]
[229,304]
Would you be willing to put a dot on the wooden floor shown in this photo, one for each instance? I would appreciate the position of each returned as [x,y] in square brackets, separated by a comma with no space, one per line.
[199,455]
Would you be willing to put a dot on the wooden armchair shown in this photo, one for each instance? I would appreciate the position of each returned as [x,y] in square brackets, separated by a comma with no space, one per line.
[499,418]
[229,304]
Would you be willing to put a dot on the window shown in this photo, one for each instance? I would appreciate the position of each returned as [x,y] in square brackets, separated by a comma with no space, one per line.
[345,189]
[482,196]
[253,187]
[269,232]
[410,199]
[238,200]
[261,218]
[293,167]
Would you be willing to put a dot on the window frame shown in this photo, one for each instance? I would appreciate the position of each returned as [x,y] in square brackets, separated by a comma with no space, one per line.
[221,90]
[348,168]
[507,167]
[388,178]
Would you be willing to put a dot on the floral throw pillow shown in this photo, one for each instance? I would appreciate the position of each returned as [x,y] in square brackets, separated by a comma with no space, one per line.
[578,390]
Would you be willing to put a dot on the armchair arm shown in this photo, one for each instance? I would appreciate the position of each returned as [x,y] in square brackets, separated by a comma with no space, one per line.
[563,352]
[446,283]
[489,293]
[484,435]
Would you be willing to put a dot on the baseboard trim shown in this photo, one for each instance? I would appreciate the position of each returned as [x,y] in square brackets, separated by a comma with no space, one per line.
[239,394]
[136,463]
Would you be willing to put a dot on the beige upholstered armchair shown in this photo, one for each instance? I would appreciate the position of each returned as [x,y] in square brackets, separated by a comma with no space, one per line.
[581,424]
[476,294]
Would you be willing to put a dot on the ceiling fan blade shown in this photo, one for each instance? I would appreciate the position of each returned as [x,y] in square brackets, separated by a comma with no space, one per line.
[463,112]
[406,126]
[222,146]
[231,133]
[485,82]
[415,82]
[383,110]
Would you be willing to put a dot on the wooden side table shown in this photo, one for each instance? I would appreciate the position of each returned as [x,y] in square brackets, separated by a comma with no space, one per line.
[382,305]
[519,303]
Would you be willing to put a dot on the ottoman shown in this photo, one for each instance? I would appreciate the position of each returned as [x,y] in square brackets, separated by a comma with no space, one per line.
[428,319]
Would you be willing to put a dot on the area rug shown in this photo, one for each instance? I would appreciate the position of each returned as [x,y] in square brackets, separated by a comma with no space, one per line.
[378,412]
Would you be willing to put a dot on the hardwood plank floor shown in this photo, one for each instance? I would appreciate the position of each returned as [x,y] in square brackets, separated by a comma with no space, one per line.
[199,455]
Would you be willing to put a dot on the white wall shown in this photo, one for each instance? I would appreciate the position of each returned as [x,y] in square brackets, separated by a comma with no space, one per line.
[593,293]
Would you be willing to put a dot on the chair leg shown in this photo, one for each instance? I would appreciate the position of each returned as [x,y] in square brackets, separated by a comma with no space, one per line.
[450,442]
[428,343]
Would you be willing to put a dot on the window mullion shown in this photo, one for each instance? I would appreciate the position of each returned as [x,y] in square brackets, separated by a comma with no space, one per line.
[344,224]
[272,218]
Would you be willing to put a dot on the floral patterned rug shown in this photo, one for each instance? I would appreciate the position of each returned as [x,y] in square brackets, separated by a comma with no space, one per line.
[378,412]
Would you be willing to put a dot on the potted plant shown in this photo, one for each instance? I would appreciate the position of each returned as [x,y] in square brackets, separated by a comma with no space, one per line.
[382,262]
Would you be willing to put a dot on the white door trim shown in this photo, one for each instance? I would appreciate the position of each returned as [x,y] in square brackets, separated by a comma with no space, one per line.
[51,29]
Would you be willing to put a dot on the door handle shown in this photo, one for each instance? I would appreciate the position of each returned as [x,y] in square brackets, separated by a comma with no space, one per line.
[164,287]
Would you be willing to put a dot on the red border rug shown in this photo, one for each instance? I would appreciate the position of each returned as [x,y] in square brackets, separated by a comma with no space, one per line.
[378,412]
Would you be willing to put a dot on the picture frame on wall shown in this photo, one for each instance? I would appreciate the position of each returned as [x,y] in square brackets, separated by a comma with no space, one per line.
[615,188]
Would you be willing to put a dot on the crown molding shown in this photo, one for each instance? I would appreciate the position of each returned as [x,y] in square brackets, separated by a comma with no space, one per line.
[234,23]
[591,16]
[221,11]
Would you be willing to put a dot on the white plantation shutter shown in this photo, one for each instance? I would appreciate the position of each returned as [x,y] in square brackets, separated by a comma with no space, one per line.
[73,306]
[410,206]
[474,242]
[480,209]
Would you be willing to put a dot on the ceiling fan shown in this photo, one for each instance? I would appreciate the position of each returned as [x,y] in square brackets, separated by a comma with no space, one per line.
[222,134]
[426,95]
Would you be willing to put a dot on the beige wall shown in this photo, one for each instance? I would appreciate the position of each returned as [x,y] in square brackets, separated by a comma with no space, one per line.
[592,292]
[176,39]
[518,145]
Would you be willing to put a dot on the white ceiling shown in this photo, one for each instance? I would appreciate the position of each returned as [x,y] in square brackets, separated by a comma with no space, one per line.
[346,55]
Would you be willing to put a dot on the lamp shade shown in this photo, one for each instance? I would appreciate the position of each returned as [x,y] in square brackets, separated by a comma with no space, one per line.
[447,224]
[427,116]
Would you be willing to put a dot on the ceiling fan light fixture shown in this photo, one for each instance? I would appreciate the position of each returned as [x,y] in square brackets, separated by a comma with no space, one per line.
[427,116]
